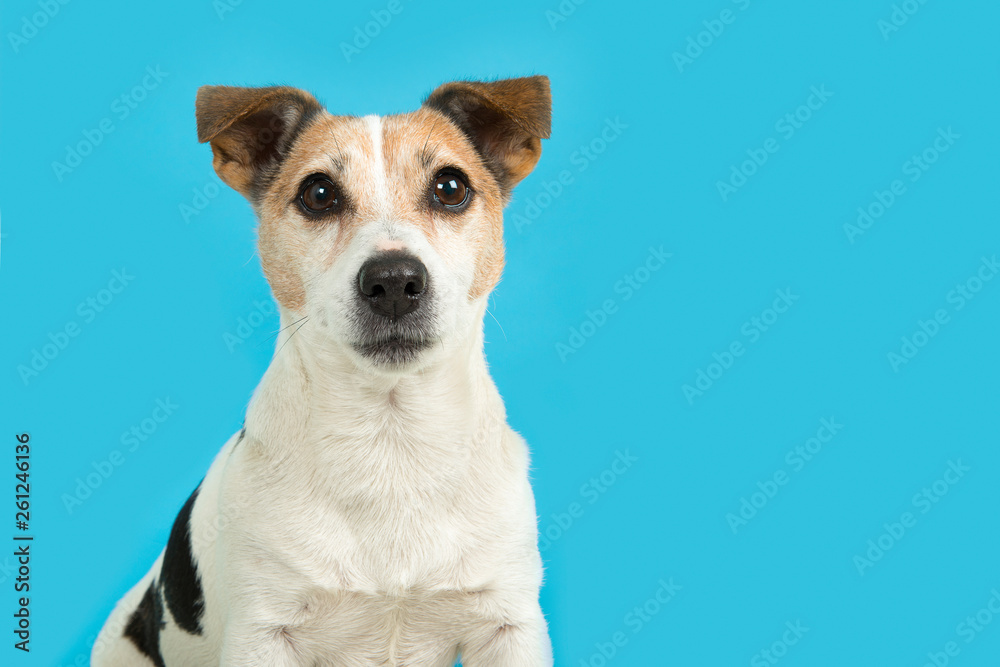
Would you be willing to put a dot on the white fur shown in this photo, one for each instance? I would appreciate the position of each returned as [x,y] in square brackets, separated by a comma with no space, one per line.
[366,517]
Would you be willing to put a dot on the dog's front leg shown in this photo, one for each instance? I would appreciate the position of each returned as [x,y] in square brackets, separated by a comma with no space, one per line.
[517,644]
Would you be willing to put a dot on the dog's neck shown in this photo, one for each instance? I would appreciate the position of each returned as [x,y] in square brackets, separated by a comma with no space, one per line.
[311,395]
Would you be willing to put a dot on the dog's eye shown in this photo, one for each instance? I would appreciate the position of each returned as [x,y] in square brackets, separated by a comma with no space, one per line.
[318,195]
[451,189]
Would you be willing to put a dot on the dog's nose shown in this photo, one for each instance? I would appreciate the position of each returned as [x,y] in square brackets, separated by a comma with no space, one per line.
[393,284]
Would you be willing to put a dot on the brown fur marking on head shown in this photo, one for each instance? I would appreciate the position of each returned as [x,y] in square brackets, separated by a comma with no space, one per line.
[250,130]
[416,146]
[333,145]
[505,120]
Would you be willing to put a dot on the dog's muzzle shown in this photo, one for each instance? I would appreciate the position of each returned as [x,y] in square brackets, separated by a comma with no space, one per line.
[394,318]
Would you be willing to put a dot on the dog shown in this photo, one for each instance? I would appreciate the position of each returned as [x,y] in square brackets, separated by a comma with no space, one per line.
[375,509]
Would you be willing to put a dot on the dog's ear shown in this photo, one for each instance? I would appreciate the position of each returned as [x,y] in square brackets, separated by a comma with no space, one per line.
[505,120]
[250,130]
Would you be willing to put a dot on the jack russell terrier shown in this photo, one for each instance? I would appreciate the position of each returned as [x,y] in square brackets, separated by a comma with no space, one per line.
[376,508]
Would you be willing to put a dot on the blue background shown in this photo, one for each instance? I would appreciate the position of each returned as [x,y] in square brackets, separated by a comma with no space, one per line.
[656,184]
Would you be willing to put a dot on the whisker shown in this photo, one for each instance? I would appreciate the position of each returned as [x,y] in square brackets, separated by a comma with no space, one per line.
[280,330]
[431,131]
[290,337]
[498,324]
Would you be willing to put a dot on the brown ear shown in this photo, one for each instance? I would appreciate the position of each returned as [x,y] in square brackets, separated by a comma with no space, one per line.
[251,130]
[506,121]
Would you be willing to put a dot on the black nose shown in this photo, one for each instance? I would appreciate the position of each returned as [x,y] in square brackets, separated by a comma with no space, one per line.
[393,284]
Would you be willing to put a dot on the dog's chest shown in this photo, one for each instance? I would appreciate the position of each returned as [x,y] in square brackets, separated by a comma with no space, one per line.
[392,545]
[378,558]
[401,592]
[422,628]
[427,514]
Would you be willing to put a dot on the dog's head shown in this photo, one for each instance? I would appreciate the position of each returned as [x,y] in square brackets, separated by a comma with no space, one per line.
[383,235]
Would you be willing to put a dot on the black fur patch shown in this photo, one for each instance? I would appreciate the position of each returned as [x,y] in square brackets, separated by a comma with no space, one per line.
[274,154]
[179,579]
[144,626]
